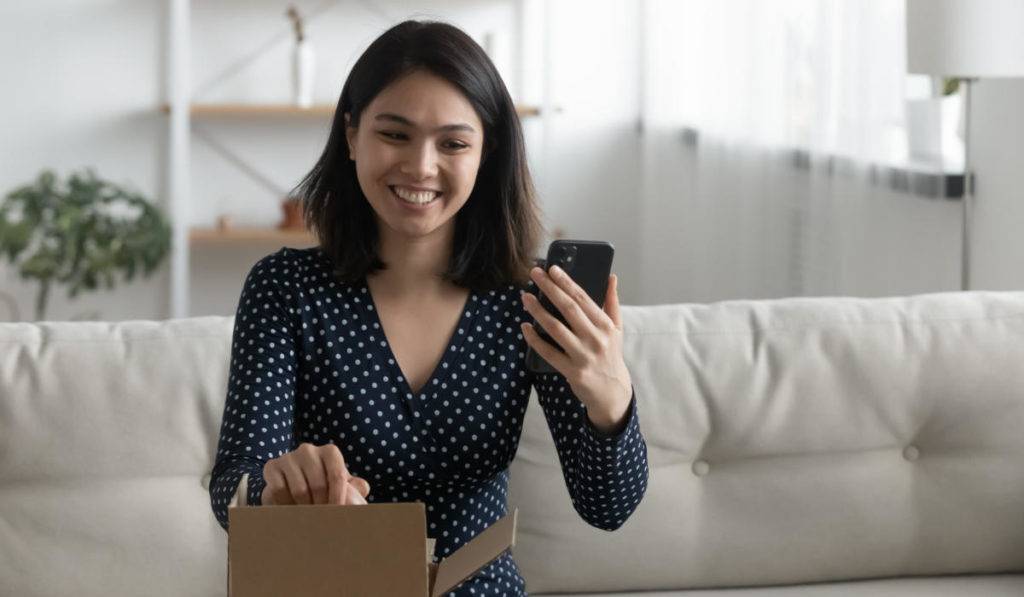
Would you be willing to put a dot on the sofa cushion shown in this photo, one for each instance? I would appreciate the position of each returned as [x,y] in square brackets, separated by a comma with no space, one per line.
[995,585]
[802,440]
[107,431]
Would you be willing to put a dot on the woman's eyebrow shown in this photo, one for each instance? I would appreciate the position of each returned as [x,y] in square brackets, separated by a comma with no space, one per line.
[403,120]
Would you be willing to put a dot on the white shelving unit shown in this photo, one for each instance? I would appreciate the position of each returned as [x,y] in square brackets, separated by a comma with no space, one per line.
[178,175]
[181,111]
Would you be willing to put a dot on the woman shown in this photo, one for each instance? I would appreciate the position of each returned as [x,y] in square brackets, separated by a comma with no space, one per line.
[388,363]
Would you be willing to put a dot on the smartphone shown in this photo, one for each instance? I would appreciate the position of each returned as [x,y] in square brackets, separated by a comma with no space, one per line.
[588,263]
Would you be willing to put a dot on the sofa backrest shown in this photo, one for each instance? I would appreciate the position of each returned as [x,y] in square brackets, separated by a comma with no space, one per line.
[800,440]
[107,431]
[789,441]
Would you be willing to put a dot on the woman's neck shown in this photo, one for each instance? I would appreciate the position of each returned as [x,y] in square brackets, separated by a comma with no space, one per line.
[415,266]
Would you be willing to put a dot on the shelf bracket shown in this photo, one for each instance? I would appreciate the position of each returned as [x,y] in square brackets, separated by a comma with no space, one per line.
[286,32]
[240,163]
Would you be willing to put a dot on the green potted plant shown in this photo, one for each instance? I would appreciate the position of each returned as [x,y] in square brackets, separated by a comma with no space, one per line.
[80,233]
[950,86]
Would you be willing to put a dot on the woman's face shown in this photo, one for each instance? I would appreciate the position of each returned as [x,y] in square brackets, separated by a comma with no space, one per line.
[417,152]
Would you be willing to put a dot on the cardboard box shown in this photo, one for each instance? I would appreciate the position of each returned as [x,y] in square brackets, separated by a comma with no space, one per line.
[350,551]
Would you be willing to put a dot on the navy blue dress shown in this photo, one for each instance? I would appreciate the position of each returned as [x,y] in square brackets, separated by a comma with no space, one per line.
[310,363]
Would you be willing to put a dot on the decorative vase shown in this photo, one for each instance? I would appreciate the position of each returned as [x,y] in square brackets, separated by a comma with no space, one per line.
[953,129]
[303,66]
[292,210]
[924,129]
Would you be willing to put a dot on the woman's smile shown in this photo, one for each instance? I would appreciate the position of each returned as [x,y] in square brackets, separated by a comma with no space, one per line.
[414,197]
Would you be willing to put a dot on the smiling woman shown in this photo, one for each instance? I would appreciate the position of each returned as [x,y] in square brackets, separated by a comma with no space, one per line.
[425,110]
[388,363]
[417,155]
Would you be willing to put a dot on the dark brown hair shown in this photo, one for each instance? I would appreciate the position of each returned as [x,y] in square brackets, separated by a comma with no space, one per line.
[498,228]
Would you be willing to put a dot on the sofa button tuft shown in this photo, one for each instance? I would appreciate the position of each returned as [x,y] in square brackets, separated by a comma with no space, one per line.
[701,468]
[911,453]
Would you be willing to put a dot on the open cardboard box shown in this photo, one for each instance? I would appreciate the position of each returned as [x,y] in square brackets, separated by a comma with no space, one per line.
[350,551]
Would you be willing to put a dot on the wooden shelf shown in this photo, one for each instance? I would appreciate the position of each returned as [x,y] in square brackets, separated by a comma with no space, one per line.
[526,111]
[241,236]
[201,110]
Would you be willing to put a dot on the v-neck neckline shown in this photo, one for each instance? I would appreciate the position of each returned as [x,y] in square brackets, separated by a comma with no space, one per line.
[451,349]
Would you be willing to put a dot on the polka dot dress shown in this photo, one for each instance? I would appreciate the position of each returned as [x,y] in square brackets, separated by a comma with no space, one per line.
[310,363]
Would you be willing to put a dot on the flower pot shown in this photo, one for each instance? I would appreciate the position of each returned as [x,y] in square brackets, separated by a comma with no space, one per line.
[292,211]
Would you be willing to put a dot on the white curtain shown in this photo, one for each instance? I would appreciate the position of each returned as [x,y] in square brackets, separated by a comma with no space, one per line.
[826,75]
[767,129]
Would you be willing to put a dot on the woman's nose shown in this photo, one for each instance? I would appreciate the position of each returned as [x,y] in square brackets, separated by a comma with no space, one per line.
[420,161]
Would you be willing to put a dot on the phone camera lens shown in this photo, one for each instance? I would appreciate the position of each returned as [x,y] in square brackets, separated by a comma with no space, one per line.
[566,256]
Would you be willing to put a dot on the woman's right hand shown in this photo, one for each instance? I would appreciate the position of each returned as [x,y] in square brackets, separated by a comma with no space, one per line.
[312,475]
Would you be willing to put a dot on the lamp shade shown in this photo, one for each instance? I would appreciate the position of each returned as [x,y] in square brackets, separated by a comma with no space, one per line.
[966,38]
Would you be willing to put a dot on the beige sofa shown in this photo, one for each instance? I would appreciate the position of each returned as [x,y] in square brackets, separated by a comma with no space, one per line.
[797,447]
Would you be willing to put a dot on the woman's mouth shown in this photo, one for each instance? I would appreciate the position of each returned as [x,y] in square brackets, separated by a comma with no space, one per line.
[414,198]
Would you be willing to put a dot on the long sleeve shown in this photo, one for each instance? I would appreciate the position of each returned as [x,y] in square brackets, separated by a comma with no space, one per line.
[606,475]
[258,411]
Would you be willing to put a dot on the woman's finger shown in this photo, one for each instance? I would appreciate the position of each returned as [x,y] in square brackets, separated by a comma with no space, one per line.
[282,493]
[566,305]
[354,497]
[361,484]
[562,335]
[296,481]
[336,474]
[316,479]
[611,302]
[276,491]
[549,353]
[597,317]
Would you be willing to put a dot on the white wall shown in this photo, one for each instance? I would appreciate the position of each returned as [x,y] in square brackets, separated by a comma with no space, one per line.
[84,79]
[997,140]
[588,177]
[88,77]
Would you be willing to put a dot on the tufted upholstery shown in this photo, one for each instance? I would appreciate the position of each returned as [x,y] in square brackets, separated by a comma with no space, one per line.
[791,441]
[803,440]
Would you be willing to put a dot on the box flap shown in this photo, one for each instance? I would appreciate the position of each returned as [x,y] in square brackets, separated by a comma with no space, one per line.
[229,552]
[321,551]
[479,552]
[431,574]
[430,550]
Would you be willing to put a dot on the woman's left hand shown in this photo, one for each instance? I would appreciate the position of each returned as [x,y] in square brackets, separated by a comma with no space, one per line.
[592,362]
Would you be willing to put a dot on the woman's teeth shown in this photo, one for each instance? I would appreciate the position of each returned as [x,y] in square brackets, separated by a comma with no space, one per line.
[418,197]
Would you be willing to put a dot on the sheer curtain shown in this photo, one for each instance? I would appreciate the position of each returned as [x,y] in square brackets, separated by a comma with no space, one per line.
[767,129]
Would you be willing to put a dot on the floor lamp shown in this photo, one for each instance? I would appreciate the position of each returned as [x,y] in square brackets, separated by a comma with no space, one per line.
[966,40]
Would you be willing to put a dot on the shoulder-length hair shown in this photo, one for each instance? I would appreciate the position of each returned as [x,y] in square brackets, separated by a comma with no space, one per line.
[498,228]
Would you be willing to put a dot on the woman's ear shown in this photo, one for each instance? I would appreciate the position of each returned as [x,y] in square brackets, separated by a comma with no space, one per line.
[350,136]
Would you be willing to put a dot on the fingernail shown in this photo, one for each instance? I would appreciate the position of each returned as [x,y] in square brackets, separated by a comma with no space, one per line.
[557,270]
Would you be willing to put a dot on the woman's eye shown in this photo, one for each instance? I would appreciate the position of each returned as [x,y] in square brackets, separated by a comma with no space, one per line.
[393,136]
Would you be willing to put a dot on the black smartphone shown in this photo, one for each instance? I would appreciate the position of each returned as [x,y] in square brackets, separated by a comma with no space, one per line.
[588,263]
